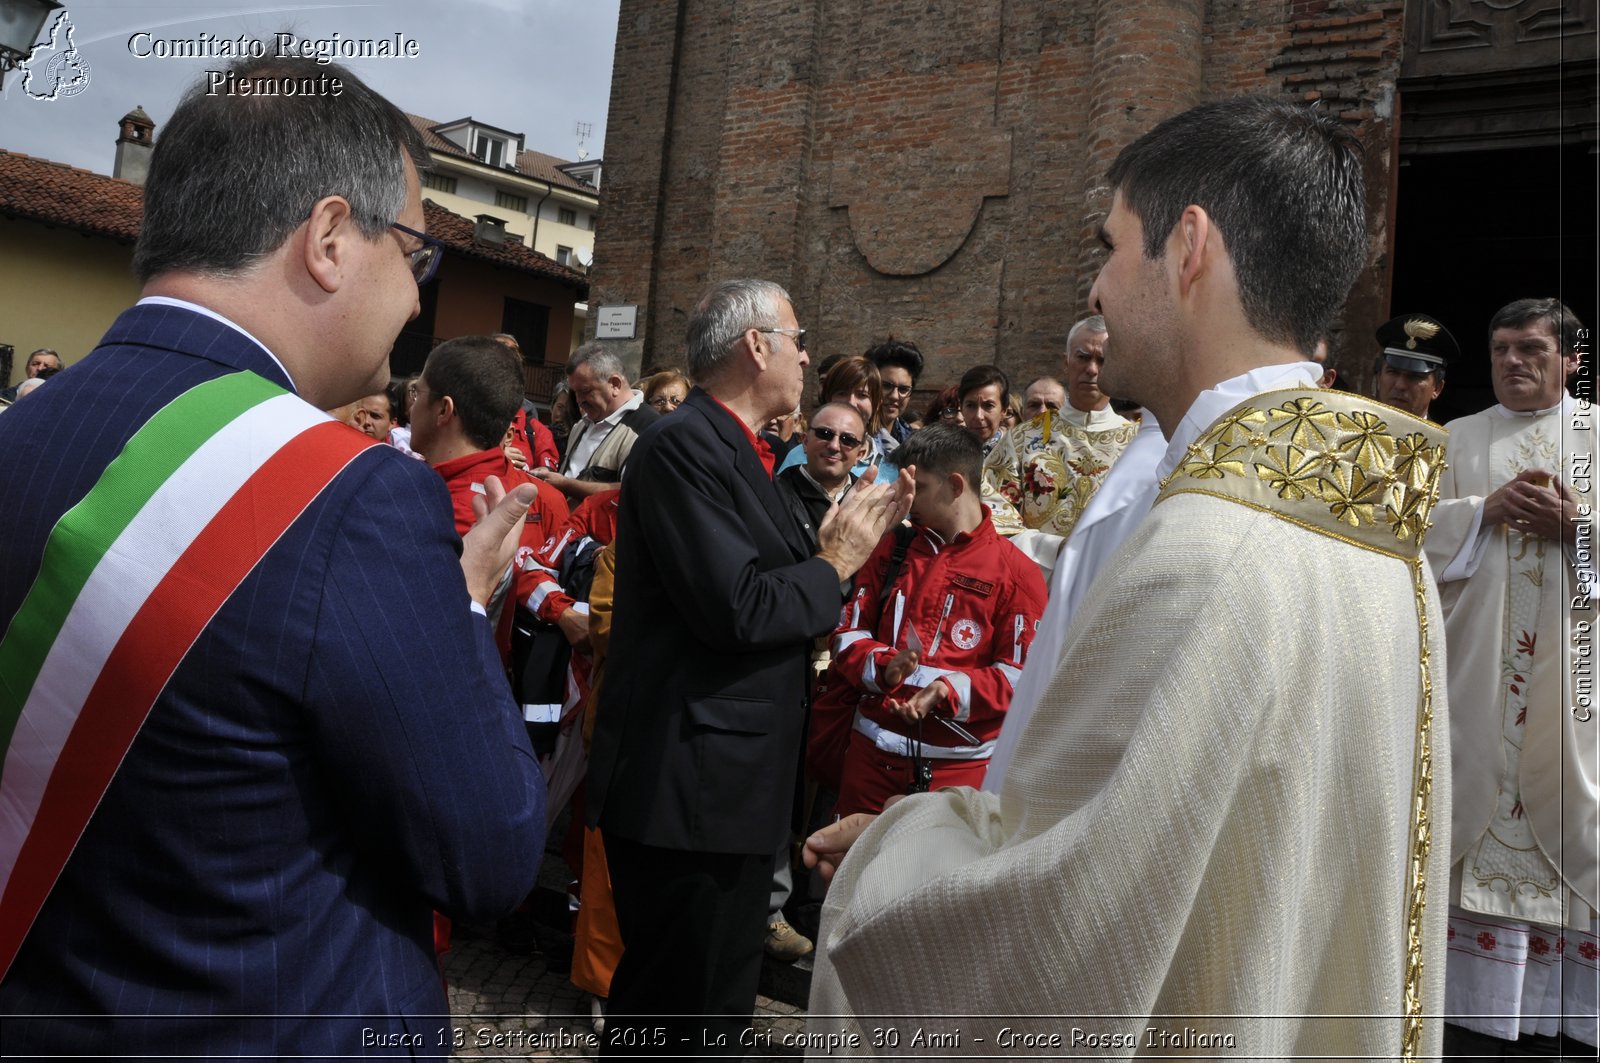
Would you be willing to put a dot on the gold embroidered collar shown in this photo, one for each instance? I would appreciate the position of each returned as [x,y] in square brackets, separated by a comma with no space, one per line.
[1335,463]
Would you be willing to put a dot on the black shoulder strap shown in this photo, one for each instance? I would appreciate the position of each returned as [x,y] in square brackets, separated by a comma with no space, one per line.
[903,534]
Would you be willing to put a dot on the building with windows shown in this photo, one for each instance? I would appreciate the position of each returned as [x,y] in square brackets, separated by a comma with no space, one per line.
[942,178]
[68,230]
[481,169]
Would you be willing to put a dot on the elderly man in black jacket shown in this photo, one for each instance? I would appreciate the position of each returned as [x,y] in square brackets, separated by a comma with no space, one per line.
[698,740]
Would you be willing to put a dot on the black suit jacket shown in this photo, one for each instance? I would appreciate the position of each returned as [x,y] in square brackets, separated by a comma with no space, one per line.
[698,737]
[806,501]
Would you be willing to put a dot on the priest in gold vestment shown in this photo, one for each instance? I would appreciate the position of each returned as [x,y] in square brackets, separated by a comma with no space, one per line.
[1038,480]
[1513,549]
[1217,837]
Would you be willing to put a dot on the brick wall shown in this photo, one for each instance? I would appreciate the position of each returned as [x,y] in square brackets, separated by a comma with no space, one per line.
[935,169]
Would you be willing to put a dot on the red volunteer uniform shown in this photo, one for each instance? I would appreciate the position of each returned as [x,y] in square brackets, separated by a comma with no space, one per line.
[464,476]
[595,518]
[974,603]
[537,443]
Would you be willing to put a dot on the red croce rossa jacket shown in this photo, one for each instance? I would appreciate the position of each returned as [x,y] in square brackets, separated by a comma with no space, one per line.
[975,603]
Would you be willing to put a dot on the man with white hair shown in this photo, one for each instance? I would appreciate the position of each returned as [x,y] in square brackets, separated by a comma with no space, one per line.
[614,413]
[32,384]
[1041,476]
[694,768]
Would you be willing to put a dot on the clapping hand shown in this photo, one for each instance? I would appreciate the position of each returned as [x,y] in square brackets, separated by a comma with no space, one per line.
[853,529]
[491,542]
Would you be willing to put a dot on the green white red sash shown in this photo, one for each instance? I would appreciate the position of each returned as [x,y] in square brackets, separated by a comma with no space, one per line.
[130,577]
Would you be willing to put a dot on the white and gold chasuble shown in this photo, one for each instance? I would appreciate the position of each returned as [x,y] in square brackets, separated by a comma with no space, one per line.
[1217,835]
[1041,476]
[1526,815]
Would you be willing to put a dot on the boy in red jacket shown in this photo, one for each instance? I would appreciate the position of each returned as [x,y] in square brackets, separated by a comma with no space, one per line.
[467,395]
[935,643]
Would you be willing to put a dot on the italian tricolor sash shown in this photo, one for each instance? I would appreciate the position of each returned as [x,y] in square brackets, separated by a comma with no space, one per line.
[130,577]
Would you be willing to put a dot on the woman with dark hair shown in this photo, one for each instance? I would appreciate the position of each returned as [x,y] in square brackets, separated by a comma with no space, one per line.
[900,364]
[945,407]
[563,415]
[985,394]
[855,382]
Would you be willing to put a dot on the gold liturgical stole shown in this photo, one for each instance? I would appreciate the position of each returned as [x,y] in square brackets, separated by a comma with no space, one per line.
[1366,474]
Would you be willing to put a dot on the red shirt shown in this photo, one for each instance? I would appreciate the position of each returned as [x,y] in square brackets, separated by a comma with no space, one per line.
[464,476]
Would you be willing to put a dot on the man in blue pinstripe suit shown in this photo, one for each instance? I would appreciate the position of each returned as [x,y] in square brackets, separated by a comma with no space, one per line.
[314,777]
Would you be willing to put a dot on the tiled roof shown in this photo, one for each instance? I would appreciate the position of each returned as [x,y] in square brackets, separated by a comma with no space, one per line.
[544,167]
[56,194]
[456,232]
[535,164]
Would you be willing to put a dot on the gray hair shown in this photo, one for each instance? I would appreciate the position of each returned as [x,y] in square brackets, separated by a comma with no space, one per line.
[233,176]
[601,362]
[722,317]
[1092,323]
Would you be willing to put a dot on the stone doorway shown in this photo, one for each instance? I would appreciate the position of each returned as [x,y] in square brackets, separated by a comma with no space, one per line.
[1477,229]
[1494,192]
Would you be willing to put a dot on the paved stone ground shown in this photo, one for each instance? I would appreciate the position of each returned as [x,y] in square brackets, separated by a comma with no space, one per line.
[511,997]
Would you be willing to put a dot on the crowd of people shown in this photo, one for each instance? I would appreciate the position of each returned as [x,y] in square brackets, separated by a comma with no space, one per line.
[1184,693]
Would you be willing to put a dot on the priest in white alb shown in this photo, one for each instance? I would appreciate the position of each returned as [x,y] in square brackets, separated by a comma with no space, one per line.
[1512,547]
[1214,836]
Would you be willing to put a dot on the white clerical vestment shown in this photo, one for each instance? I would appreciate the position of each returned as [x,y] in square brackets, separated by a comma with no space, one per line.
[1208,838]
[1519,621]
[1123,500]
[1040,478]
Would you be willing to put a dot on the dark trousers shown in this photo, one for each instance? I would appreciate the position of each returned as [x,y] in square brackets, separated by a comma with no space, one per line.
[692,930]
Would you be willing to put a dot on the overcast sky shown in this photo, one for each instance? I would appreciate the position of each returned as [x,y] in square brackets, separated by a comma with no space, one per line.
[537,67]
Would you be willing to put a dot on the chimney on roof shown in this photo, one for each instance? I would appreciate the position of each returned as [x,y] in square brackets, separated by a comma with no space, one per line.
[136,142]
[488,229]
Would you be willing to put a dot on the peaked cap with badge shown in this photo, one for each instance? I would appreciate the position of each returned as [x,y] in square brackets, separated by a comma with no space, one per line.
[1417,343]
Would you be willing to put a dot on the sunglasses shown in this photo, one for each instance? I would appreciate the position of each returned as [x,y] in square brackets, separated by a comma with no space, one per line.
[848,441]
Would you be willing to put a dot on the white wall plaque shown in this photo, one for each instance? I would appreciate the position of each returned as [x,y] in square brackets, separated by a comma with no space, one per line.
[616,323]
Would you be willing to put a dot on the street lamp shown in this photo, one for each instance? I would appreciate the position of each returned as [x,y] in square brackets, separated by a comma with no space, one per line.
[20,23]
